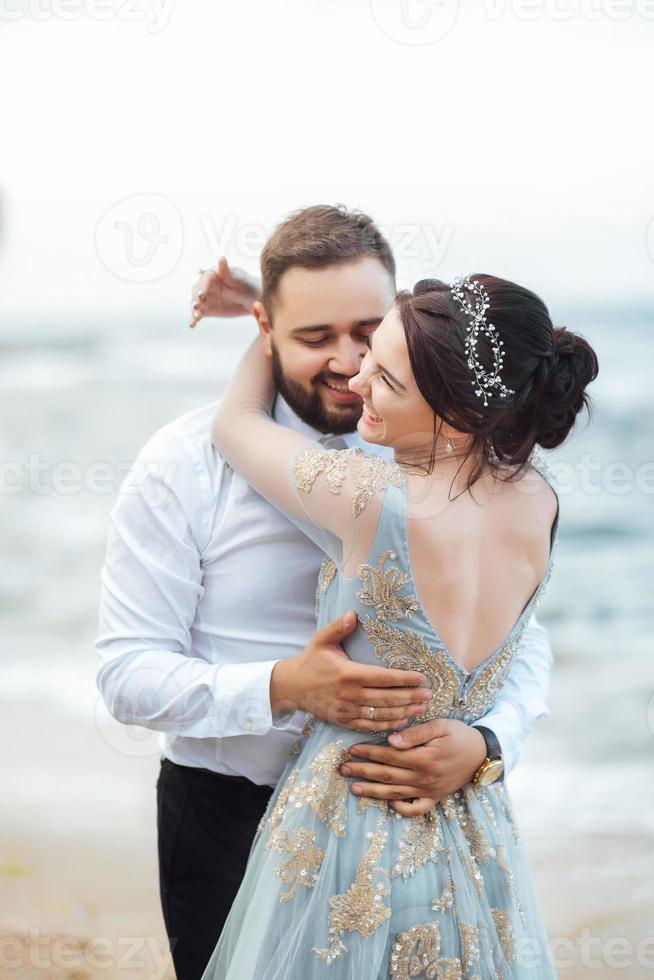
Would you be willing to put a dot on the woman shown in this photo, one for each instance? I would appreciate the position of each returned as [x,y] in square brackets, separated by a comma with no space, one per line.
[443,553]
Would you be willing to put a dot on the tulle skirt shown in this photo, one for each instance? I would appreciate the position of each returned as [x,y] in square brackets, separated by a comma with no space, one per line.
[339,887]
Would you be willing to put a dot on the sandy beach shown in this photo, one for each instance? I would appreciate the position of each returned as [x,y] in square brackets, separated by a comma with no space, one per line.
[78,868]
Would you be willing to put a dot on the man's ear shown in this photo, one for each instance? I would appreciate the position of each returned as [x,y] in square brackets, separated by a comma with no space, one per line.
[265,326]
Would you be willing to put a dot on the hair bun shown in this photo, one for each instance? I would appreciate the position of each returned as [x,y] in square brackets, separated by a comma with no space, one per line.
[570,369]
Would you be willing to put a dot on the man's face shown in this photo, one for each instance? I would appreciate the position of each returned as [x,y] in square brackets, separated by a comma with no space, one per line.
[322,319]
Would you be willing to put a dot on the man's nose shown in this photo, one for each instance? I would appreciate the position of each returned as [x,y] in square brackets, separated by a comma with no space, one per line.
[347,358]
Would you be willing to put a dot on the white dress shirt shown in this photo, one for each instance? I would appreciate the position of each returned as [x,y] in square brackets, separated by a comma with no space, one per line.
[206,586]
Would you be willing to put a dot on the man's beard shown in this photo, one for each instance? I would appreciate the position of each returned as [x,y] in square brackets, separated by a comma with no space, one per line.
[309,405]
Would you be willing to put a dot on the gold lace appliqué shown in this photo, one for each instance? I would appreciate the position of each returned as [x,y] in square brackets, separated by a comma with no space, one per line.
[416,953]
[361,908]
[327,791]
[408,651]
[370,474]
[458,809]
[327,572]
[504,928]
[303,865]
[482,693]
[446,899]
[366,802]
[381,587]
[470,943]
[309,725]
[326,575]
[277,812]
[420,843]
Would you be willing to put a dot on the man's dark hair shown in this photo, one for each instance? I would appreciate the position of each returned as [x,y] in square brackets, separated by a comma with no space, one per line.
[319,237]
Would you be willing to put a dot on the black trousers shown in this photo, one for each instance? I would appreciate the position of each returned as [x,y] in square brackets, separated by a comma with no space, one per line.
[206,824]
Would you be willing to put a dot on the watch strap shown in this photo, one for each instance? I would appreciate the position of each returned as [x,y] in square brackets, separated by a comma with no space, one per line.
[493,749]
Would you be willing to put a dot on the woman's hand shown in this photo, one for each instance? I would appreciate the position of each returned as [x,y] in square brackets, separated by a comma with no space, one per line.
[224,292]
[325,682]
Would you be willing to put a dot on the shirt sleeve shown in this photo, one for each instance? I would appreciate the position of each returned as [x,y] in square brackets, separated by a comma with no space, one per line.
[522,699]
[151,586]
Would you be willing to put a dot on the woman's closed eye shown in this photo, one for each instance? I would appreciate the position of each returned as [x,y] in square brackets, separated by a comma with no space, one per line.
[380,373]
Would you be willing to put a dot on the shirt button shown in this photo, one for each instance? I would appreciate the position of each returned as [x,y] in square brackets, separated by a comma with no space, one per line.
[247,724]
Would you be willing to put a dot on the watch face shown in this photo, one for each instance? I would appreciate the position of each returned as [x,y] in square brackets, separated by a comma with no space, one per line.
[491,773]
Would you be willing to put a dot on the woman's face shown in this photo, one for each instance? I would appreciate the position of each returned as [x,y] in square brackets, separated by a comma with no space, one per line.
[394,411]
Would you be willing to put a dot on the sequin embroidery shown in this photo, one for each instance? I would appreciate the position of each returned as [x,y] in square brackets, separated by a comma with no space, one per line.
[416,953]
[381,587]
[361,909]
[504,928]
[327,791]
[408,651]
[421,842]
[370,474]
[302,867]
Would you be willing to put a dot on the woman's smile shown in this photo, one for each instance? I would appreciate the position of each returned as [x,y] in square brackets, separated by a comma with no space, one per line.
[370,416]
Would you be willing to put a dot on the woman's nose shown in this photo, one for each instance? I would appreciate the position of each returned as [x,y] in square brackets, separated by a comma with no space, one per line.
[354,384]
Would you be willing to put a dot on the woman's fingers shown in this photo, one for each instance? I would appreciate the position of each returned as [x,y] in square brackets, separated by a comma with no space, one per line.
[199,294]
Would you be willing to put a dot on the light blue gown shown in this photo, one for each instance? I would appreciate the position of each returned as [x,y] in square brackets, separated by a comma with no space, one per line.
[343,888]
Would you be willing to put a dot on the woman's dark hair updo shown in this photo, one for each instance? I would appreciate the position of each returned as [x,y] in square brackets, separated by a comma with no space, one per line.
[547,367]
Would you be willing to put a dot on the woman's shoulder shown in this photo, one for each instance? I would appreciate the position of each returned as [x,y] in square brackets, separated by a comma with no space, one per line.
[530,500]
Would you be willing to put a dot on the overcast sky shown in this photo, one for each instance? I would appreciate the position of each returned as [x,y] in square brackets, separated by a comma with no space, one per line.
[501,137]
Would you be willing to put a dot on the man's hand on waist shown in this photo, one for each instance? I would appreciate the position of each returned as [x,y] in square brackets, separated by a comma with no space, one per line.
[325,682]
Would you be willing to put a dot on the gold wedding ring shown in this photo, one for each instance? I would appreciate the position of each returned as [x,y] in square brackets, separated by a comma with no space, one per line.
[371,712]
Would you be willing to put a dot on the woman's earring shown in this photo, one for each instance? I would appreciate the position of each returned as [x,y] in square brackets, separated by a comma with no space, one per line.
[449,448]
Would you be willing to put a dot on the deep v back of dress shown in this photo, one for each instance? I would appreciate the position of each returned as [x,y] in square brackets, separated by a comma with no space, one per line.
[476,564]
[395,628]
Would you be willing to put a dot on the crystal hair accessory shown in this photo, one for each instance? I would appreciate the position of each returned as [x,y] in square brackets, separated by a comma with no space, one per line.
[487,383]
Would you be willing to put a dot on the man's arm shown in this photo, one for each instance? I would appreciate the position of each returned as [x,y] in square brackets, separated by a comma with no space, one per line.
[151,586]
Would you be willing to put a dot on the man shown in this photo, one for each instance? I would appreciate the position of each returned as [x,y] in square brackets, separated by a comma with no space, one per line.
[208,597]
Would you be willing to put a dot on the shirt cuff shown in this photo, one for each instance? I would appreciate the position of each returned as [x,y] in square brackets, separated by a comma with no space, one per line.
[242,697]
[504,721]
